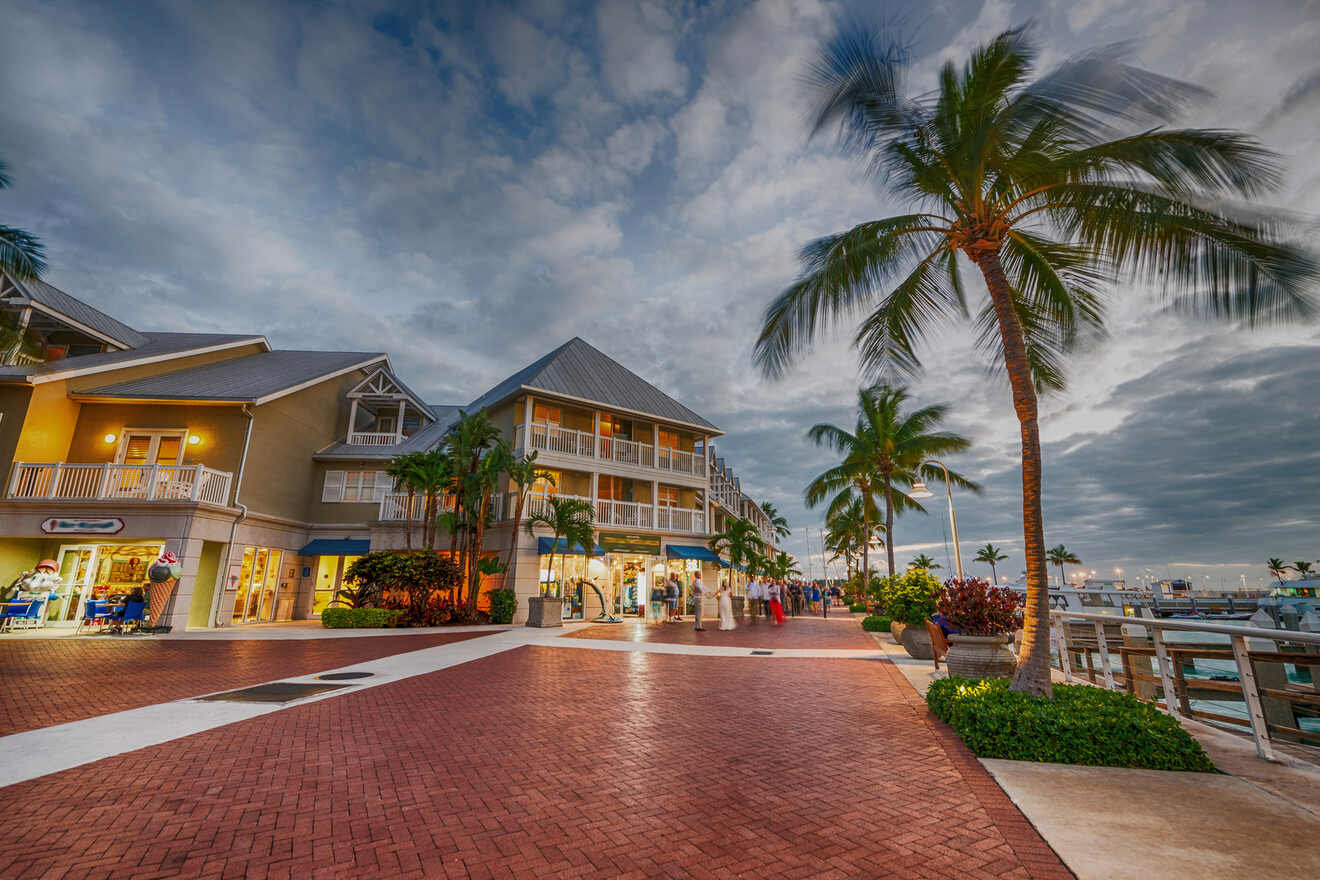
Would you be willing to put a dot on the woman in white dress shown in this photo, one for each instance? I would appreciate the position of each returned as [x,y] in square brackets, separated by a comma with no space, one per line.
[726,606]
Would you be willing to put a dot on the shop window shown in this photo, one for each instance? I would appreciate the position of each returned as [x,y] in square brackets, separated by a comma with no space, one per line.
[666,439]
[356,487]
[667,497]
[610,488]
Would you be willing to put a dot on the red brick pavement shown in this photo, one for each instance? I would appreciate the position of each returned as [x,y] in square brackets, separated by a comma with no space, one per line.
[51,681]
[797,632]
[548,763]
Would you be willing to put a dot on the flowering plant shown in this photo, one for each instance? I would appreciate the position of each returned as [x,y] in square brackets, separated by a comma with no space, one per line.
[978,609]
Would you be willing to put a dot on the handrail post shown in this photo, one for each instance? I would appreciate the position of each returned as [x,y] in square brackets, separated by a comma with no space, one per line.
[54,480]
[197,482]
[1260,731]
[1104,654]
[1166,674]
[15,479]
[1065,663]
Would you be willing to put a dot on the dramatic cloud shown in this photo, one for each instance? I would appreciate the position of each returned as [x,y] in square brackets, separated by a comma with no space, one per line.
[467,185]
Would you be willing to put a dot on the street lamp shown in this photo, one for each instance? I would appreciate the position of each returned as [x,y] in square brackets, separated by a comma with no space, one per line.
[919,490]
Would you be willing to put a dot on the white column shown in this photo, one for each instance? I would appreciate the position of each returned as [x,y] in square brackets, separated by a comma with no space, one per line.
[352,419]
[398,424]
[655,504]
[595,434]
[595,493]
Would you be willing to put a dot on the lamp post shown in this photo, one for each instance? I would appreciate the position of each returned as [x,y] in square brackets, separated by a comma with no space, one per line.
[919,490]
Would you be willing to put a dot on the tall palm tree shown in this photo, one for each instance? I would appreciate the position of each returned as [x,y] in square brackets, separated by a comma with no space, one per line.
[1302,568]
[1277,567]
[886,449]
[1061,556]
[21,254]
[524,473]
[989,554]
[741,541]
[923,562]
[777,521]
[568,519]
[1056,189]
[846,533]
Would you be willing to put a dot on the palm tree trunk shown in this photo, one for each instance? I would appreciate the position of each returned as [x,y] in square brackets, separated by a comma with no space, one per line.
[889,524]
[994,578]
[407,529]
[866,548]
[1033,670]
[513,539]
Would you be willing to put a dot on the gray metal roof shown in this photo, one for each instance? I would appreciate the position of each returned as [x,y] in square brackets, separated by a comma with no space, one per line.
[577,369]
[244,379]
[75,309]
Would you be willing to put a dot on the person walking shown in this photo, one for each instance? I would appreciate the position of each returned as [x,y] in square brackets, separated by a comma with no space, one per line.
[776,603]
[815,597]
[659,604]
[726,606]
[753,607]
[698,596]
[767,590]
[671,598]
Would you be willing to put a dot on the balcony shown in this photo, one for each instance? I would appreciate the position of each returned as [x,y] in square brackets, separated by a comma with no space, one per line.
[555,440]
[373,438]
[395,507]
[119,482]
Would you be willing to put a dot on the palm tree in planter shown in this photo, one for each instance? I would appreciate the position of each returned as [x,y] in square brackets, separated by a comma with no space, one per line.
[990,555]
[1061,556]
[1056,189]
[741,541]
[1277,567]
[922,562]
[568,519]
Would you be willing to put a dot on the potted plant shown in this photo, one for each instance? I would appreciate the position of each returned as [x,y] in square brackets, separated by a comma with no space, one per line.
[909,599]
[985,618]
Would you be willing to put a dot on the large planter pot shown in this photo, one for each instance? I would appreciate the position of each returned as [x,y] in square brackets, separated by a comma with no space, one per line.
[545,611]
[981,656]
[896,631]
[916,641]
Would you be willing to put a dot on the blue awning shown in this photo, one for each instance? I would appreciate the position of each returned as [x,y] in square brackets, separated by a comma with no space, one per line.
[544,546]
[335,547]
[687,551]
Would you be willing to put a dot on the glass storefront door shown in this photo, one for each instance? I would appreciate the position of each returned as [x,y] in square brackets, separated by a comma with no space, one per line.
[76,571]
[258,580]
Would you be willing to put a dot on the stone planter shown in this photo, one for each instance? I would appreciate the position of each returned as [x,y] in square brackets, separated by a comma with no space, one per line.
[916,641]
[980,656]
[896,631]
[545,611]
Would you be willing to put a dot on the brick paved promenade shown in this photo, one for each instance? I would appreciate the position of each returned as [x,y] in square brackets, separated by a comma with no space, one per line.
[548,762]
[798,632]
[52,681]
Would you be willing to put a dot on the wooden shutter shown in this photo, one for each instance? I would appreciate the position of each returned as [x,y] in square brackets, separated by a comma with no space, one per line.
[334,486]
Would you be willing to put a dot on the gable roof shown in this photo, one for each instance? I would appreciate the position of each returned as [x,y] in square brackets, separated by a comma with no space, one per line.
[427,437]
[50,299]
[579,371]
[255,378]
[158,347]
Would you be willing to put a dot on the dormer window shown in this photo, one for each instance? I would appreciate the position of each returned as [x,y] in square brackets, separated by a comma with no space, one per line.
[382,412]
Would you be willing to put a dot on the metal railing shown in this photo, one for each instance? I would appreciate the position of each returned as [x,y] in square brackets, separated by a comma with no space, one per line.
[105,482]
[1261,683]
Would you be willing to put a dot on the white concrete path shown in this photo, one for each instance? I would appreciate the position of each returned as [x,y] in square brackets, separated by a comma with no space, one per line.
[63,746]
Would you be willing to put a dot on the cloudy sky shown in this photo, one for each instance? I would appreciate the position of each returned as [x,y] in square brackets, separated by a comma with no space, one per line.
[468,187]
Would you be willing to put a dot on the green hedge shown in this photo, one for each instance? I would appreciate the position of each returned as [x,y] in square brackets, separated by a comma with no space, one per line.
[359,618]
[876,624]
[1080,725]
[503,604]
[857,607]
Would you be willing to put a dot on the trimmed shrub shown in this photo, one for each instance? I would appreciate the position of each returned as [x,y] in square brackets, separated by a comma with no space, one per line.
[857,607]
[1080,725]
[910,597]
[876,624]
[359,618]
[503,604]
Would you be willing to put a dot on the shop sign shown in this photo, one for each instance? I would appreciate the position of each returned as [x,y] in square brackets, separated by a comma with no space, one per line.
[59,525]
[624,542]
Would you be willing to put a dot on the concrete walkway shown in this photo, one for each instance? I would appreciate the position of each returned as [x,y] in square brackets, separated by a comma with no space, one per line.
[1257,820]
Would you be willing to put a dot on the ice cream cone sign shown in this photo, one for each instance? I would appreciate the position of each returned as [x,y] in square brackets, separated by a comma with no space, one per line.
[164,576]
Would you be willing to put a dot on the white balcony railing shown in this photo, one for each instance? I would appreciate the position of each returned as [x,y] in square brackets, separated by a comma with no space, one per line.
[395,507]
[104,482]
[556,440]
[398,507]
[372,438]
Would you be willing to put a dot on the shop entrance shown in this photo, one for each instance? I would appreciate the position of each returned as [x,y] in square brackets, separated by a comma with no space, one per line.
[97,571]
[258,581]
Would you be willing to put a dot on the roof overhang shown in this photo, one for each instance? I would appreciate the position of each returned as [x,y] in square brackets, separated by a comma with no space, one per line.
[38,378]
[708,430]
[76,324]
